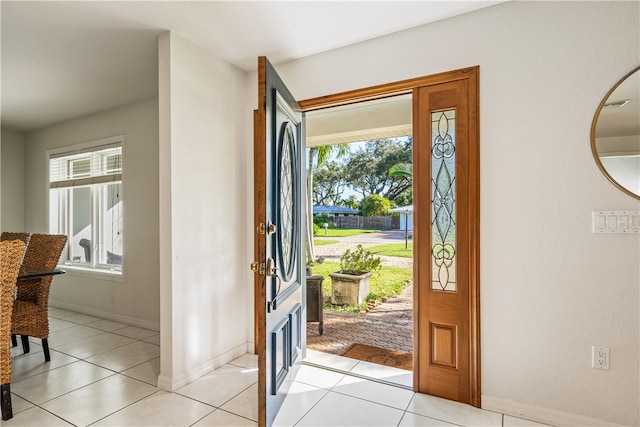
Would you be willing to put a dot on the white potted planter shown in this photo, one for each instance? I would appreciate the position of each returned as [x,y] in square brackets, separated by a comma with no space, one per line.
[349,289]
[350,285]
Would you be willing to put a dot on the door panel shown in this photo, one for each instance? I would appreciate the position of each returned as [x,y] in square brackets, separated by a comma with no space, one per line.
[279,282]
[446,237]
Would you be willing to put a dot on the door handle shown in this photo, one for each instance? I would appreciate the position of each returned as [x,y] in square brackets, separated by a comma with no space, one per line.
[272,271]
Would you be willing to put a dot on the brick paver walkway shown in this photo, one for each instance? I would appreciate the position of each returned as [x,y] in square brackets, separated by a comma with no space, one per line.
[388,325]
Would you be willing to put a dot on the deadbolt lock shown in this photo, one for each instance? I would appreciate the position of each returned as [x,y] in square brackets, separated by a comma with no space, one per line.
[271,228]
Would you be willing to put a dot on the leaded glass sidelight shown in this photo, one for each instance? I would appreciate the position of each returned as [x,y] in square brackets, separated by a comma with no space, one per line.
[443,201]
[287,170]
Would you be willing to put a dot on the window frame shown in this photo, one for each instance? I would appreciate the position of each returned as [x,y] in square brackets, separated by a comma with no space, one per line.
[94,269]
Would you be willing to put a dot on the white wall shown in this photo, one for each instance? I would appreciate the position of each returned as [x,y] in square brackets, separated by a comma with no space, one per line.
[550,289]
[12,181]
[204,233]
[135,300]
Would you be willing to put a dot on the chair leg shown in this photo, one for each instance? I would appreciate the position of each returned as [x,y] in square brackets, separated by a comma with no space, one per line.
[14,340]
[45,347]
[25,343]
[7,410]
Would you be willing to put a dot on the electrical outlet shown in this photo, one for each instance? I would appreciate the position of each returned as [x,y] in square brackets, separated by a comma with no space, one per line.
[600,357]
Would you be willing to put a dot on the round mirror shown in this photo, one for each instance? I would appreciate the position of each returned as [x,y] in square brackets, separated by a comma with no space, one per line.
[615,134]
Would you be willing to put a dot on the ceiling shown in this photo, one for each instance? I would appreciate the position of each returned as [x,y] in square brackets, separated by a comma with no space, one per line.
[616,121]
[363,121]
[61,60]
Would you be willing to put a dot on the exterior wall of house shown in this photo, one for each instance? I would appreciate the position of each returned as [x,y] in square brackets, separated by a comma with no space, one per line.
[205,153]
[135,299]
[550,289]
[12,181]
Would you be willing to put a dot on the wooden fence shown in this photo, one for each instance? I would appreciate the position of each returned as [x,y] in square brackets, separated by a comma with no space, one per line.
[368,222]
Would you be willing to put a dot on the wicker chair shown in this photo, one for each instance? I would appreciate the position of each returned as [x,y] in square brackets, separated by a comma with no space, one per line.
[31,307]
[10,256]
[24,237]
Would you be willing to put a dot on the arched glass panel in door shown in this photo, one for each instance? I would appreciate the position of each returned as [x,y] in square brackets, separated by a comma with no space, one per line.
[287,201]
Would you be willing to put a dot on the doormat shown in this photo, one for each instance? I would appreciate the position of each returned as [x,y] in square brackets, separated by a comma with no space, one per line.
[381,356]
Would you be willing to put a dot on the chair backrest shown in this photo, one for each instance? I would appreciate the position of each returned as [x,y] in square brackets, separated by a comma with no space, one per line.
[43,251]
[86,245]
[10,256]
[12,235]
[16,235]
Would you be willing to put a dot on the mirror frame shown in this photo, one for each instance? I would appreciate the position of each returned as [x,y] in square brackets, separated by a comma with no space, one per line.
[593,135]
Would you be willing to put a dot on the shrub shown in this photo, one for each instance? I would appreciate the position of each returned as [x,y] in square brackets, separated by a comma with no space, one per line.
[319,220]
[375,205]
[358,262]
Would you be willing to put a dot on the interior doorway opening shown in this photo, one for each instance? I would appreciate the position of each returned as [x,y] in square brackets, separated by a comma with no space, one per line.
[350,152]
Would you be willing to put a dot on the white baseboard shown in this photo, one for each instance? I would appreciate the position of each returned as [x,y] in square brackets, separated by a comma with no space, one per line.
[540,414]
[174,383]
[141,323]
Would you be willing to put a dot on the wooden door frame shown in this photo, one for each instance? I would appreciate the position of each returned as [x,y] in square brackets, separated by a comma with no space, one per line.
[404,87]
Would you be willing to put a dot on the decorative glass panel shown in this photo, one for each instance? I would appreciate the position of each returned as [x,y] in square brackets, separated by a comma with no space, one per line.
[443,201]
[287,199]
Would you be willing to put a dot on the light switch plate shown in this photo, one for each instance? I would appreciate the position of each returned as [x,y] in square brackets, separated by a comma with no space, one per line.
[616,222]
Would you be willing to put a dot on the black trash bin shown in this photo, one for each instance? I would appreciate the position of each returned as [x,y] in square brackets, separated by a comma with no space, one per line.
[314,301]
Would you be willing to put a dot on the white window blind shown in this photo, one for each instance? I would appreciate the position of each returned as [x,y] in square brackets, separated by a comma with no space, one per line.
[95,165]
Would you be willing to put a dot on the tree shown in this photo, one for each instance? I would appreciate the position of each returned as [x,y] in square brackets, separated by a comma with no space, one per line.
[350,202]
[329,184]
[368,168]
[403,199]
[375,205]
[404,170]
[317,157]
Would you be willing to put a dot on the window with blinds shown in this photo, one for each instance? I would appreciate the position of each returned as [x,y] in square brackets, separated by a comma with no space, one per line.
[86,167]
[85,203]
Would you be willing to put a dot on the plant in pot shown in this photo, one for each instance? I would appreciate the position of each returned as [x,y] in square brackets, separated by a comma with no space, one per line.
[350,285]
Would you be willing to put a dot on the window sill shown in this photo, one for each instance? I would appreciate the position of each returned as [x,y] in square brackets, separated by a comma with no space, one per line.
[93,273]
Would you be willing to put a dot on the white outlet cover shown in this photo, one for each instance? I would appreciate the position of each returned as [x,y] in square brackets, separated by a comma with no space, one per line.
[600,357]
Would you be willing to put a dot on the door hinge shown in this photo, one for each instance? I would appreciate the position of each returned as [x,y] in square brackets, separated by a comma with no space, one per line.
[261,229]
[259,267]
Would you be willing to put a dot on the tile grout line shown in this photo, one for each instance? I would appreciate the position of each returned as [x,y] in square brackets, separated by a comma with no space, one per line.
[326,393]
[83,359]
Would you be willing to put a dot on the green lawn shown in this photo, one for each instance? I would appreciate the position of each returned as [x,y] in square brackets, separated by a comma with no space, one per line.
[386,283]
[393,249]
[320,242]
[344,232]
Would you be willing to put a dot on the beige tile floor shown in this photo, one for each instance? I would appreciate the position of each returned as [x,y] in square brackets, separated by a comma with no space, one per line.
[103,373]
